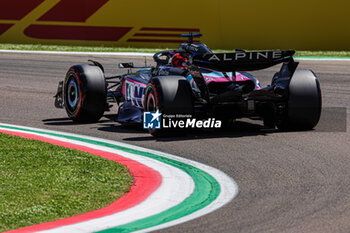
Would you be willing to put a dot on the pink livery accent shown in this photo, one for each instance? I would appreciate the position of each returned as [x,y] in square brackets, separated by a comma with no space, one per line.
[209,79]
[216,76]
[134,92]
[123,89]
[240,77]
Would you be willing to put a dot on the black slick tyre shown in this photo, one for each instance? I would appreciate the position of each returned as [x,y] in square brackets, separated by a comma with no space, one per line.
[85,93]
[169,95]
[303,109]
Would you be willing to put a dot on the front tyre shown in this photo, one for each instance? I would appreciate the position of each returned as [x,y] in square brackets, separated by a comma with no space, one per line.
[85,93]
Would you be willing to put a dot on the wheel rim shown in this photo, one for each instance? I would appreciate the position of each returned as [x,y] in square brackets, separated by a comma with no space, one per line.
[72,94]
[151,103]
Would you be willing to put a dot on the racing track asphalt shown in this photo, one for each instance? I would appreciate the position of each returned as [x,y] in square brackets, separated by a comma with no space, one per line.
[289,181]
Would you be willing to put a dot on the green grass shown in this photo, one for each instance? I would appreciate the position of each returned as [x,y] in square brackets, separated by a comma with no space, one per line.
[146,50]
[41,182]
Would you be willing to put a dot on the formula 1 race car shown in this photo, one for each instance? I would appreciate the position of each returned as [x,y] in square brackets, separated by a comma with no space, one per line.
[197,82]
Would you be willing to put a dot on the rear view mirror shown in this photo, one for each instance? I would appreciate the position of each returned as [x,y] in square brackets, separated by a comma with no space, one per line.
[126,65]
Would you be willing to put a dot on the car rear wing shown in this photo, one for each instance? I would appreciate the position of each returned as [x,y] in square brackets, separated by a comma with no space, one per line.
[243,61]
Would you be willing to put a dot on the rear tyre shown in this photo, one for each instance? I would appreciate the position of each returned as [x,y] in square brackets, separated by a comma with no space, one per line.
[304,104]
[85,93]
[169,95]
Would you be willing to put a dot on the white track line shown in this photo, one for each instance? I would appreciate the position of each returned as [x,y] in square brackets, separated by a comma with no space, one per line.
[144,54]
[78,53]
[321,59]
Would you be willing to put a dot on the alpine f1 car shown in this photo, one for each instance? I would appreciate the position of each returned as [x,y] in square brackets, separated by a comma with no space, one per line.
[193,80]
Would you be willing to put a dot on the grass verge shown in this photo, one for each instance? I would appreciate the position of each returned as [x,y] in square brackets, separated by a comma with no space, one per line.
[39,47]
[41,182]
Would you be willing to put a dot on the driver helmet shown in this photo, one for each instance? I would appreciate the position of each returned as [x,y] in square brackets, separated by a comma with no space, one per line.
[179,61]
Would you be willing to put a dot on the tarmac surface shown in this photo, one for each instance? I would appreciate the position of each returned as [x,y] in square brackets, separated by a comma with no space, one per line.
[288,181]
